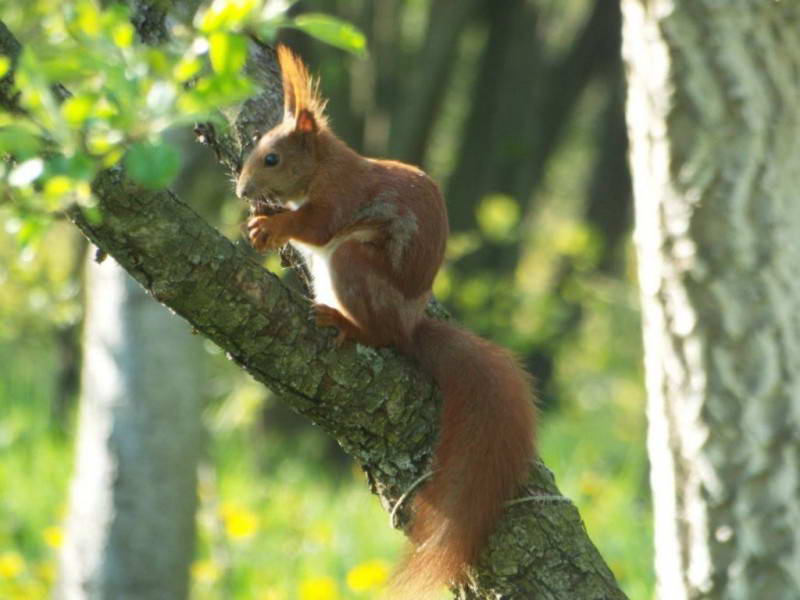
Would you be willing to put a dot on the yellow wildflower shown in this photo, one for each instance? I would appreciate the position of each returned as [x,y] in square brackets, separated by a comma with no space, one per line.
[319,588]
[53,536]
[369,575]
[11,565]
[240,522]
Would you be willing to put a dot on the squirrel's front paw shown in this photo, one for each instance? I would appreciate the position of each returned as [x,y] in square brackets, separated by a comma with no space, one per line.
[264,234]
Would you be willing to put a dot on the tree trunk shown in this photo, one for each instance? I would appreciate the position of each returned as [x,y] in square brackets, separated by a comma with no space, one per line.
[130,529]
[714,122]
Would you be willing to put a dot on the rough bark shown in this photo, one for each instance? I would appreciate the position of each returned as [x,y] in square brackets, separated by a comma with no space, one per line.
[130,528]
[379,407]
[714,124]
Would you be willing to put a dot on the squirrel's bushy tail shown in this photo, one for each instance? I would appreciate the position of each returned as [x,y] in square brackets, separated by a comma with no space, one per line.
[487,439]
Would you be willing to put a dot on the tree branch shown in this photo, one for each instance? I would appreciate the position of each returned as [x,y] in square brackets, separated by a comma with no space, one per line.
[379,407]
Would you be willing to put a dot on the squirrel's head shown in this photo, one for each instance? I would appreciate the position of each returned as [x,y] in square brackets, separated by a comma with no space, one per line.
[283,160]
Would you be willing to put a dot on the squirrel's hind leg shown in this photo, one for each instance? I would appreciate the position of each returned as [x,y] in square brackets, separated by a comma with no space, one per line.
[368,297]
[327,316]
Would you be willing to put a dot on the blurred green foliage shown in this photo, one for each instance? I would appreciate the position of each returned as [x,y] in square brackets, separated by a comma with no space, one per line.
[90,94]
[281,517]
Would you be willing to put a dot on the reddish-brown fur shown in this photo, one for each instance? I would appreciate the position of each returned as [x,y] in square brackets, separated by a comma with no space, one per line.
[379,227]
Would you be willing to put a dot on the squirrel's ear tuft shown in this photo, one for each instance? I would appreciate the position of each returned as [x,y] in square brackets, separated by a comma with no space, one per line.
[294,77]
[306,122]
[300,90]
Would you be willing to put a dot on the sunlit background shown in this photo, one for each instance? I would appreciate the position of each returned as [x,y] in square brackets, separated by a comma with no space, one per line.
[516,107]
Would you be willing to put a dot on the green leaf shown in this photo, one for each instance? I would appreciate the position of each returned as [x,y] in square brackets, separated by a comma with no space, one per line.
[77,109]
[20,140]
[158,61]
[123,35]
[89,18]
[225,14]
[152,165]
[214,92]
[332,31]
[58,186]
[69,65]
[116,14]
[186,68]
[78,166]
[5,65]
[31,231]
[227,51]
[268,30]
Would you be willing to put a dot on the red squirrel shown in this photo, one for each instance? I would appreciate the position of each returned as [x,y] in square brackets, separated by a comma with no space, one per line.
[373,233]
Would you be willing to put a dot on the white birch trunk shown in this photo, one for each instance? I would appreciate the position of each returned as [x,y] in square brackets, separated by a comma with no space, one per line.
[130,528]
[714,121]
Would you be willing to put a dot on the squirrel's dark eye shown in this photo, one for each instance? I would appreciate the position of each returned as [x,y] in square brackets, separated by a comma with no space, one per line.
[271,159]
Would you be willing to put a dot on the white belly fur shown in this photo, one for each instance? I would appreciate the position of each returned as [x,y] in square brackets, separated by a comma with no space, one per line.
[318,260]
